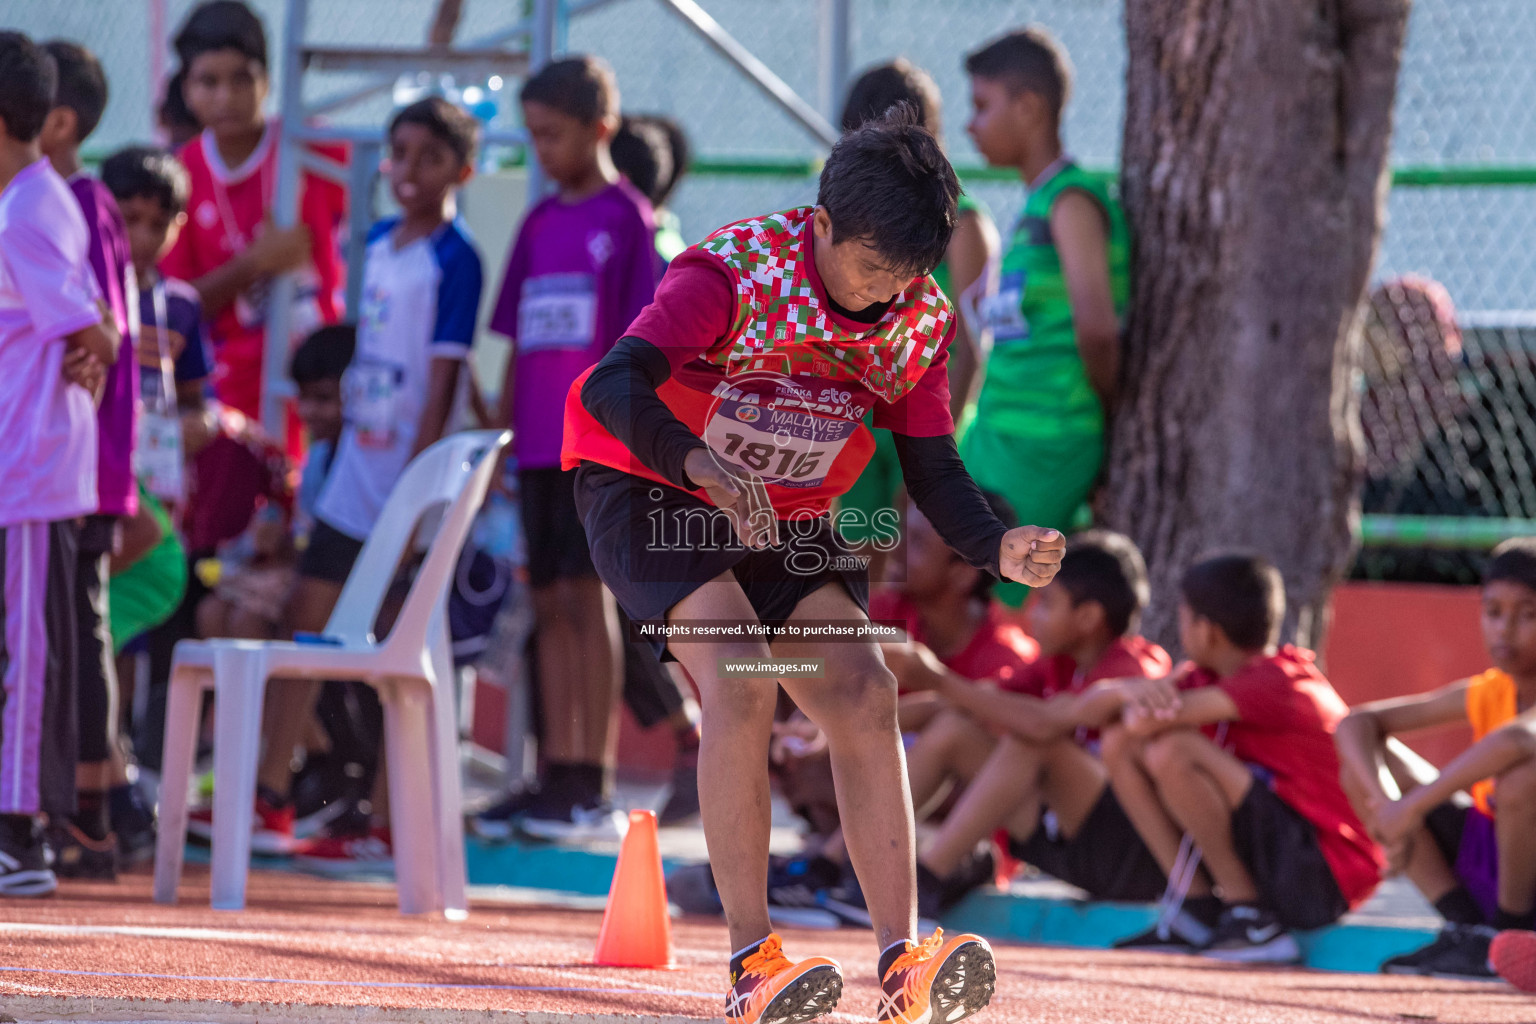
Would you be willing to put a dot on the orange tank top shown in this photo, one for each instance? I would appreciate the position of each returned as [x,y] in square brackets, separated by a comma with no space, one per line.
[1491,703]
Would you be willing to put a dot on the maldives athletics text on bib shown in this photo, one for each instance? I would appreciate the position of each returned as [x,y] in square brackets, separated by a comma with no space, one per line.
[785,394]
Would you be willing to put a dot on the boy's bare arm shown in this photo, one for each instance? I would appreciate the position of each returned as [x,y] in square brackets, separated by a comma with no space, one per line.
[101,339]
[1493,755]
[275,251]
[970,249]
[1082,239]
[1362,736]
[1201,706]
[1028,717]
[440,391]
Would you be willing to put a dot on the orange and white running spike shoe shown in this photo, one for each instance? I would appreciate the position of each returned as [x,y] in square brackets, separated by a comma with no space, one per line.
[938,982]
[771,989]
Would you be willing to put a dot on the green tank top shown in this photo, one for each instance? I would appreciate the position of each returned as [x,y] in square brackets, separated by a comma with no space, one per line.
[1036,384]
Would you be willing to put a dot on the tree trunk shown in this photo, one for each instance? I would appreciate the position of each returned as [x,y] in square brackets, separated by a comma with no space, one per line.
[1254,176]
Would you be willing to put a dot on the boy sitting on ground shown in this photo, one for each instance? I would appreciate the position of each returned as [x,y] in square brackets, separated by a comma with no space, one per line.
[1041,780]
[1470,856]
[1240,763]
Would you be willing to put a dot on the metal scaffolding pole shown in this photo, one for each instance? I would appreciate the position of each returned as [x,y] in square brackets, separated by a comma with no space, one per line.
[275,386]
[541,48]
[729,47]
[836,45]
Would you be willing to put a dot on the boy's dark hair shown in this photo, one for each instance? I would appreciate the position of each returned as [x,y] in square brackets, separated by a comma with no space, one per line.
[1027,60]
[173,111]
[653,153]
[323,355]
[582,86]
[141,172]
[28,78]
[82,84]
[889,184]
[1003,509]
[1513,561]
[455,126]
[1106,567]
[888,85]
[641,153]
[1242,594]
[222,25]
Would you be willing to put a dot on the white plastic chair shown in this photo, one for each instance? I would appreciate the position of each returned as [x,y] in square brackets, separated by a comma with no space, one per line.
[412,670]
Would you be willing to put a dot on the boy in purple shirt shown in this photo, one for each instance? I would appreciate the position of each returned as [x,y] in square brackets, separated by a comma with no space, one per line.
[56,339]
[84,845]
[582,268]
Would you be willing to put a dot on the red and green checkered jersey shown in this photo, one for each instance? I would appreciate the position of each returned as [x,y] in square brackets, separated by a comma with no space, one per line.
[770,376]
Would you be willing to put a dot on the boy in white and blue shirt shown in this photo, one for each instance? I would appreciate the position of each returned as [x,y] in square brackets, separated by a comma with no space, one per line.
[421,291]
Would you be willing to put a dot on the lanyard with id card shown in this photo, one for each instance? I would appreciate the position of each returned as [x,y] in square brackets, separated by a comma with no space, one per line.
[158,454]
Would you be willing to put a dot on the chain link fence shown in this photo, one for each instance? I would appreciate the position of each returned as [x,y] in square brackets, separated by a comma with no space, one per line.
[1462,212]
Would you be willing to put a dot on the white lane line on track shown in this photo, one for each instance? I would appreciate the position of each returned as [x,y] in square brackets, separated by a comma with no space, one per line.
[331,983]
[138,931]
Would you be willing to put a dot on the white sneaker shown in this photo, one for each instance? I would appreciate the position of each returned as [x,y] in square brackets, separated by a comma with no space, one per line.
[596,823]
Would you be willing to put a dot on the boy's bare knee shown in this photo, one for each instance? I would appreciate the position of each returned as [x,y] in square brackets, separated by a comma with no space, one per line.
[863,700]
[1169,753]
[1117,747]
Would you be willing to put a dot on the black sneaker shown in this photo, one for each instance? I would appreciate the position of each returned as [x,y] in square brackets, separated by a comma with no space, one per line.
[597,821]
[846,900]
[692,888]
[134,822]
[682,804]
[1181,933]
[77,855]
[499,821]
[978,868]
[1459,951]
[24,869]
[1252,935]
[796,888]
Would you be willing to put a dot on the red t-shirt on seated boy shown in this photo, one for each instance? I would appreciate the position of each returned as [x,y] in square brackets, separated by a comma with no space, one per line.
[1289,711]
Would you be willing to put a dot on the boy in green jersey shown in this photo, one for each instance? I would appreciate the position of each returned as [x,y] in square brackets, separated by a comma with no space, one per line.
[868,515]
[1037,436]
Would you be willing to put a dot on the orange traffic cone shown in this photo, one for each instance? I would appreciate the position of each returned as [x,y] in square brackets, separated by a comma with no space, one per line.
[636,930]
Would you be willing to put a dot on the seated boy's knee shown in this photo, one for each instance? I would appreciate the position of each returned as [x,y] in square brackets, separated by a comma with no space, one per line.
[1117,747]
[1169,752]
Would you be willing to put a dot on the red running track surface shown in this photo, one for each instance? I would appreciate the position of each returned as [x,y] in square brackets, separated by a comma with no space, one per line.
[337,944]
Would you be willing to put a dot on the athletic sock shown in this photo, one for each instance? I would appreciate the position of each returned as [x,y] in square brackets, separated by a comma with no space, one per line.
[739,957]
[568,785]
[91,817]
[1458,907]
[17,831]
[1205,909]
[1505,921]
[889,954]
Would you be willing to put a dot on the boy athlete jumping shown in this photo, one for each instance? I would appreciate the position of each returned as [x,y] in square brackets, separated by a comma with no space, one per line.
[710,442]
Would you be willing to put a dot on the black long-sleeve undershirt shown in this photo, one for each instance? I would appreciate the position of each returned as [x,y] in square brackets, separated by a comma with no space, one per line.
[621,395]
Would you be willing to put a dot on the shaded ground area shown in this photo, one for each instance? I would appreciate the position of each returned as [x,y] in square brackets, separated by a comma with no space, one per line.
[342,947]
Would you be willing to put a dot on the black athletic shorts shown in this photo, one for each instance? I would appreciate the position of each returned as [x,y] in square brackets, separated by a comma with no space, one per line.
[329,555]
[653,545]
[1106,859]
[557,545]
[1281,850]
